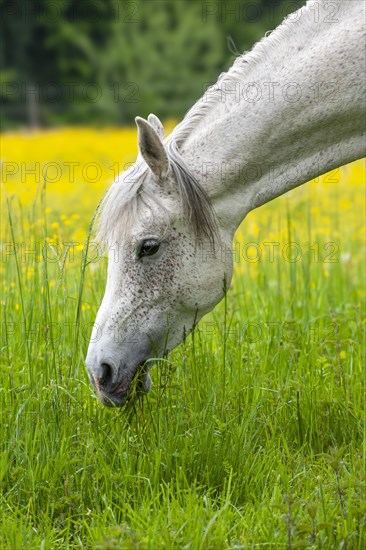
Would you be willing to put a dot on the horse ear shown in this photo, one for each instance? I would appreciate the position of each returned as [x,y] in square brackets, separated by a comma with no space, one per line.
[157,125]
[152,148]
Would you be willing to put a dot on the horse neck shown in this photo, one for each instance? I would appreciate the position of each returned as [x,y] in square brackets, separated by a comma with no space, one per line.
[288,111]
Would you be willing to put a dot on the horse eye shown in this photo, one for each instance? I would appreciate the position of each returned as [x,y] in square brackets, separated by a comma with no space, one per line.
[149,248]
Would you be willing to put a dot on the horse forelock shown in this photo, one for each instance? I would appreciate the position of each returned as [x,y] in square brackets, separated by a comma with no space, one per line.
[121,206]
[194,199]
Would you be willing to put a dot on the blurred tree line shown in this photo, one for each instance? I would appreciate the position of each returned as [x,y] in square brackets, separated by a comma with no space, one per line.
[105,61]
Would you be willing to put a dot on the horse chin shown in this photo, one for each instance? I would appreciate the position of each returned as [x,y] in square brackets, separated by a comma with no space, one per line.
[143,378]
[146,383]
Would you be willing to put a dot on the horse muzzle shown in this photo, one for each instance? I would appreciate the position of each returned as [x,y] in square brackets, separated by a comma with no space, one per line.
[114,385]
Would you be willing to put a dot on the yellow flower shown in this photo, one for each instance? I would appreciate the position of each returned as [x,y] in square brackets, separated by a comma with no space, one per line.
[89,159]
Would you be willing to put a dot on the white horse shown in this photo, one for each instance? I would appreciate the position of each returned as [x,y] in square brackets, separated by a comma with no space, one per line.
[295,101]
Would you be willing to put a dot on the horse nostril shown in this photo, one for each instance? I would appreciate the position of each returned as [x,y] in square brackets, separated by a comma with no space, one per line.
[103,374]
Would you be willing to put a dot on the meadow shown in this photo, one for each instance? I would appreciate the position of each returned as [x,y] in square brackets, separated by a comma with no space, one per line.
[253,433]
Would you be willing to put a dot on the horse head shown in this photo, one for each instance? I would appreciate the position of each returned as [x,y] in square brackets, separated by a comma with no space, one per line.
[166,266]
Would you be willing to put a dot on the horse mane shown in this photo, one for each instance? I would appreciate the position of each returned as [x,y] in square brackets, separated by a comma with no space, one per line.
[121,205]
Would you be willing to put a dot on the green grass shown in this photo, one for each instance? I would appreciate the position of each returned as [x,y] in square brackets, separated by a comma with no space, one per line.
[251,437]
